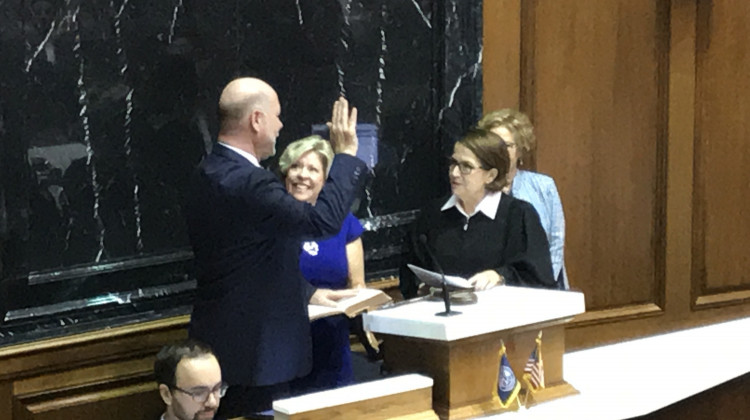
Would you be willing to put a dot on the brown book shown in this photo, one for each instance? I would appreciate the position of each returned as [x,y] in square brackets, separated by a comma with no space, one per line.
[364,299]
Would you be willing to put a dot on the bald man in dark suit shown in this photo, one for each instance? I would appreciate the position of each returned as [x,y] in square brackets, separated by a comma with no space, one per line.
[246,230]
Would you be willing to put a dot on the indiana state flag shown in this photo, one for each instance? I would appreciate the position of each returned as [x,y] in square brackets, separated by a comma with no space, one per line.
[507,385]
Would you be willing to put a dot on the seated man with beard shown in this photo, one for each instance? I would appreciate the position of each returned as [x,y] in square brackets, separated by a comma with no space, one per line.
[189,379]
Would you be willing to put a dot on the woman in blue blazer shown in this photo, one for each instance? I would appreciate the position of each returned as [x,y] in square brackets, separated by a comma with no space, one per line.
[515,128]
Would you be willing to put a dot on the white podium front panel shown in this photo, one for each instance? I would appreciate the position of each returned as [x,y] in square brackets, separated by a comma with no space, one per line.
[352,393]
[497,309]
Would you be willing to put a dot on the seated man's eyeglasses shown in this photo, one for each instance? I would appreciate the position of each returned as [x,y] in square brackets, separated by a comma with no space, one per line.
[201,394]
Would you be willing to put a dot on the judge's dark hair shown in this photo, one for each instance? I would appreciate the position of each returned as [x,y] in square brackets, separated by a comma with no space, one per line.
[170,355]
[491,152]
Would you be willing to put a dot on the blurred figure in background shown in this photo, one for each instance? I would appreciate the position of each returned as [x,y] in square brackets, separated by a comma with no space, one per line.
[516,130]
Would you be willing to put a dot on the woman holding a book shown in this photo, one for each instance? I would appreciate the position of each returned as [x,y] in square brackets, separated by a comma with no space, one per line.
[478,232]
[334,263]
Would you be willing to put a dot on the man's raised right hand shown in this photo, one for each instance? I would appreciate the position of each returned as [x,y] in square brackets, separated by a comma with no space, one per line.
[343,128]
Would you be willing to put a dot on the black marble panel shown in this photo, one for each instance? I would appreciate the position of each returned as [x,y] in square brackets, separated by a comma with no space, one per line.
[106,106]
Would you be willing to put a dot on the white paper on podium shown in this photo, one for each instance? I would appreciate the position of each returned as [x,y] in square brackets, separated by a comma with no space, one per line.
[434,279]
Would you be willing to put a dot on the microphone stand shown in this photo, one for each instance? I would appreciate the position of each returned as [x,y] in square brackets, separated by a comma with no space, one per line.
[446,295]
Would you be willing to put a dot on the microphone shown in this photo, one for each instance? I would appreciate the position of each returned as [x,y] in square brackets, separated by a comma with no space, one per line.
[446,295]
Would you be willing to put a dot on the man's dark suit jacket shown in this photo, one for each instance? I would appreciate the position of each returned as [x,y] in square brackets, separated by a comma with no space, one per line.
[246,230]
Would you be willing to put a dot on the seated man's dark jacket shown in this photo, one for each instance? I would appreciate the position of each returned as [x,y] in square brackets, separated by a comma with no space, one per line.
[246,230]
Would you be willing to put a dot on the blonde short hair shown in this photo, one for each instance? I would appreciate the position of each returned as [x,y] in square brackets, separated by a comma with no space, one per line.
[297,148]
[517,123]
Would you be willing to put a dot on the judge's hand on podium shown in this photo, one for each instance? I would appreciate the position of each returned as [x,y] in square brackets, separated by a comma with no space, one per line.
[486,280]
[328,297]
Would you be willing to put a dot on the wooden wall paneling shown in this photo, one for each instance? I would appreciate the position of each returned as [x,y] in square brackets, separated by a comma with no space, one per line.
[683,131]
[528,71]
[6,398]
[501,53]
[682,134]
[600,115]
[135,402]
[642,119]
[721,218]
[79,350]
[680,173]
[138,369]
[105,374]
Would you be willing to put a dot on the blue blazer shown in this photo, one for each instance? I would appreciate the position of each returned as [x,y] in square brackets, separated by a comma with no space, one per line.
[245,229]
[540,190]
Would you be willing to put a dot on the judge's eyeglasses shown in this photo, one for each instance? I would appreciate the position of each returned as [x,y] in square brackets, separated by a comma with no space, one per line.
[464,167]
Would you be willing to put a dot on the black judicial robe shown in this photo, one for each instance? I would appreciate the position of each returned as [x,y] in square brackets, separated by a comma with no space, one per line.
[514,244]
[245,230]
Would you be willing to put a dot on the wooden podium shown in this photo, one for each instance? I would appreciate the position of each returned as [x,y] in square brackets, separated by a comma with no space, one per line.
[460,353]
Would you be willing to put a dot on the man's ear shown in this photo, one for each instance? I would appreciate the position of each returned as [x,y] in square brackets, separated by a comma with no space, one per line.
[255,120]
[165,394]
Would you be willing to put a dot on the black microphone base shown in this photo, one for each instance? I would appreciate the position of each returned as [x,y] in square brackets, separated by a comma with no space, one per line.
[457,297]
[448,313]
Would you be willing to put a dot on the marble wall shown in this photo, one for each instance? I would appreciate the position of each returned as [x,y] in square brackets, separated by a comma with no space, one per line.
[107,105]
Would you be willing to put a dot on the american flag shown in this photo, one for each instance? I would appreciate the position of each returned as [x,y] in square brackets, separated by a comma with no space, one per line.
[534,369]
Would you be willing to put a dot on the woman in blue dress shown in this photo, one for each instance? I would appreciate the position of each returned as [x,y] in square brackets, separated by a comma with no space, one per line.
[515,128]
[334,263]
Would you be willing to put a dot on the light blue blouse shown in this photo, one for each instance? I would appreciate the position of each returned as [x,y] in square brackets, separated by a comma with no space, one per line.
[541,192]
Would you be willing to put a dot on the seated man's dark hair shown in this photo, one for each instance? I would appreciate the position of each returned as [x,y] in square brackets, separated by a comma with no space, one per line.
[170,355]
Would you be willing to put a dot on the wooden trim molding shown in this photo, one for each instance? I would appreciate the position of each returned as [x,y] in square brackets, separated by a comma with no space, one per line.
[384,283]
[698,251]
[616,314]
[736,297]
[680,171]
[719,225]
[143,328]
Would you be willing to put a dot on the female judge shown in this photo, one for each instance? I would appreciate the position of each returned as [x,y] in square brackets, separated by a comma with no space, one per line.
[333,263]
[478,232]
[516,130]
